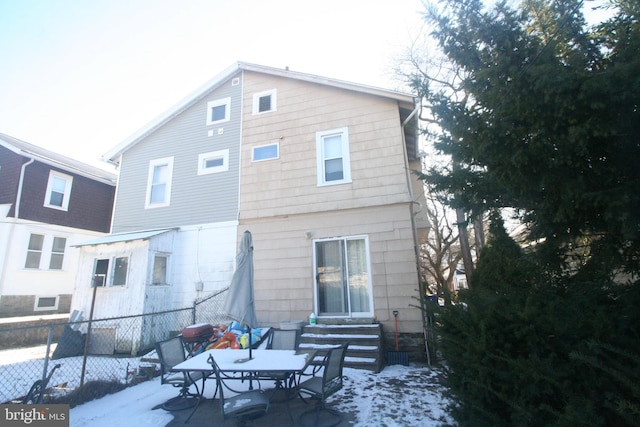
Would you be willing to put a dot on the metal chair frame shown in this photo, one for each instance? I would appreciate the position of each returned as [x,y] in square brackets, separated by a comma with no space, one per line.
[245,405]
[171,352]
[321,388]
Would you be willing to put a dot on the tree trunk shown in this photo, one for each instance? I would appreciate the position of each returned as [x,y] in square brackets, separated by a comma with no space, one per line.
[464,245]
[478,229]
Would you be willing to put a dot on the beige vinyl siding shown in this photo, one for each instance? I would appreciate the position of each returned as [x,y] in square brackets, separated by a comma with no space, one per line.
[288,185]
[283,260]
[195,199]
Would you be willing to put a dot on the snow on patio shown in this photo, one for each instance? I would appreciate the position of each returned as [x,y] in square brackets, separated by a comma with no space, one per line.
[397,396]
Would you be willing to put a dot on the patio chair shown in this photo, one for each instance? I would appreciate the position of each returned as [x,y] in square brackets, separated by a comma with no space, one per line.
[244,406]
[320,388]
[171,352]
[282,339]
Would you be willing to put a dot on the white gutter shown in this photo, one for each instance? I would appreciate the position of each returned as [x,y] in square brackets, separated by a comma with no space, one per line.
[404,150]
[414,228]
[16,214]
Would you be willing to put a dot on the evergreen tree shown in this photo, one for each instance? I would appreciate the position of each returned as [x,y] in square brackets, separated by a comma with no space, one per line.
[544,119]
[550,122]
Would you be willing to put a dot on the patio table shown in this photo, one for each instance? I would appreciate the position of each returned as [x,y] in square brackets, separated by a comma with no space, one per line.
[236,364]
[263,361]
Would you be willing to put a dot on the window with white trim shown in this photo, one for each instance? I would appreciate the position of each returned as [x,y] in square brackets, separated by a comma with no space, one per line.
[159,183]
[265,152]
[264,102]
[100,272]
[218,111]
[57,253]
[110,271]
[58,191]
[332,153]
[159,273]
[34,251]
[213,162]
[46,303]
[120,270]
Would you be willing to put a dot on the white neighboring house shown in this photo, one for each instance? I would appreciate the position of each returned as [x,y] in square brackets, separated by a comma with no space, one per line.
[48,203]
[459,279]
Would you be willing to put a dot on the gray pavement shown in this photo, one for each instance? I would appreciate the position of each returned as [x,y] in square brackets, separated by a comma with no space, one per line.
[281,412]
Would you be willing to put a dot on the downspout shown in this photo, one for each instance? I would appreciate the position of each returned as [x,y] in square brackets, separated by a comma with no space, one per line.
[410,191]
[416,246]
[16,216]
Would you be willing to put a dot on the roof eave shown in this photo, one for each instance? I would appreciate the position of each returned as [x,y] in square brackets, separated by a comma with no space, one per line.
[114,155]
[61,162]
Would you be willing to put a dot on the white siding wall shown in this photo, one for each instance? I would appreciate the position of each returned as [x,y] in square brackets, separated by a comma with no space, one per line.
[18,280]
[201,253]
[112,301]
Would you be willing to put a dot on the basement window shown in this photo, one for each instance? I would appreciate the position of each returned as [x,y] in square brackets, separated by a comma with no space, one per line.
[46,303]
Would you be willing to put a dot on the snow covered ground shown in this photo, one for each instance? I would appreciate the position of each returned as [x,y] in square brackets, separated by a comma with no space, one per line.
[398,396]
[19,368]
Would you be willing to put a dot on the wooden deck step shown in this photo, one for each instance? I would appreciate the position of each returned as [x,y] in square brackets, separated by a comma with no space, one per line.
[365,343]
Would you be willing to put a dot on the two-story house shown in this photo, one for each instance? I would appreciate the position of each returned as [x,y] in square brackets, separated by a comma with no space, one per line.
[48,203]
[319,170]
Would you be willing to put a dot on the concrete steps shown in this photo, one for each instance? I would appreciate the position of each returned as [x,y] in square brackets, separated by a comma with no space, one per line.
[365,343]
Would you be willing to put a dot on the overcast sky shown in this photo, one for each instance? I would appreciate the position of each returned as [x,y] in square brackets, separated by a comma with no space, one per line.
[78,77]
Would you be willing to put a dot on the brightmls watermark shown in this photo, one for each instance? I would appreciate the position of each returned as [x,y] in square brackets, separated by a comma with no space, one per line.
[34,415]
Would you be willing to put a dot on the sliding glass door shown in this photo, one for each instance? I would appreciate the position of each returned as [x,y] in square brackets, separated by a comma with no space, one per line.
[343,282]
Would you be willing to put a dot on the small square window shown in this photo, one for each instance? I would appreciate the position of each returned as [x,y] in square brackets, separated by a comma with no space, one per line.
[264,102]
[265,152]
[218,111]
[213,162]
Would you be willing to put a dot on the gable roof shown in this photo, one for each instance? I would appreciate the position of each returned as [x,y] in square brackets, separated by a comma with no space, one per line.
[59,161]
[406,101]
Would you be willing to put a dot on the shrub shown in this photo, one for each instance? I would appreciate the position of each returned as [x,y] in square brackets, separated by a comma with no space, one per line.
[528,348]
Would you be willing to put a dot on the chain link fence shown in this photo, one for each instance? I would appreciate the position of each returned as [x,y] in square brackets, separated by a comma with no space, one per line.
[116,349]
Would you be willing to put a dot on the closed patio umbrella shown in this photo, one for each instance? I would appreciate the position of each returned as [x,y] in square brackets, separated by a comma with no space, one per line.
[239,304]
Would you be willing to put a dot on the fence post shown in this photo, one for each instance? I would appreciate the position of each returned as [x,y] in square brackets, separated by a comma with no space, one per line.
[88,337]
[193,312]
[45,368]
